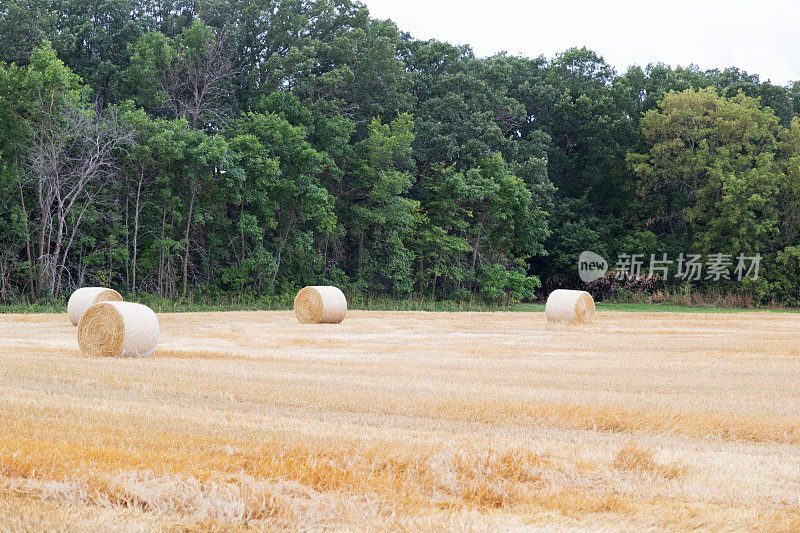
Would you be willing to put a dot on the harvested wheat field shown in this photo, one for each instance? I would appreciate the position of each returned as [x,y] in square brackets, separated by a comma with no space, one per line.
[462,421]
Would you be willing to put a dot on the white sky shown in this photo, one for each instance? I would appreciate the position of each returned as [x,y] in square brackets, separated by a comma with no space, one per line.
[759,37]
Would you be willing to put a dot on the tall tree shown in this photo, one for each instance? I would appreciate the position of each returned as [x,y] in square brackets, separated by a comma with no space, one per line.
[710,170]
[192,74]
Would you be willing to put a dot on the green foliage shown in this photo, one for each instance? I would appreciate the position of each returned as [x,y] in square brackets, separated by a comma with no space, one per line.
[269,145]
[375,210]
[715,157]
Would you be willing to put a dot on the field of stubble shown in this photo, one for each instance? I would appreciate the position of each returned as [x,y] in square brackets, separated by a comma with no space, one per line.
[406,421]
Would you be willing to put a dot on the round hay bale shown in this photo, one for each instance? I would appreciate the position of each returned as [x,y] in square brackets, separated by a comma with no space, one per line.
[569,307]
[85,297]
[117,329]
[320,305]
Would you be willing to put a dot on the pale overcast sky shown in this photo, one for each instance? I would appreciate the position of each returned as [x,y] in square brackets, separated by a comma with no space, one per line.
[759,37]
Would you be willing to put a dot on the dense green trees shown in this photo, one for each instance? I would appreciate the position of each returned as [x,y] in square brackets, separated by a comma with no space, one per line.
[711,171]
[227,147]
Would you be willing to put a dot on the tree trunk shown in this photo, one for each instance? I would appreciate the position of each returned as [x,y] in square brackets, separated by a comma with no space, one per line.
[475,249]
[135,236]
[161,253]
[110,262]
[241,229]
[3,281]
[42,231]
[56,275]
[436,277]
[67,248]
[127,235]
[27,244]
[280,253]
[360,253]
[186,238]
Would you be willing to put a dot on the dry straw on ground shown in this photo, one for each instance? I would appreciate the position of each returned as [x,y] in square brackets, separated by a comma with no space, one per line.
[113,329]
[569,307]
[406,421]
[85,297]
[320,305]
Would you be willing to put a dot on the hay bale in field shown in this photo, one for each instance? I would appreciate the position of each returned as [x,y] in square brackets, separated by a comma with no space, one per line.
[320,305]
[85,297]
[115,329]
[570,307]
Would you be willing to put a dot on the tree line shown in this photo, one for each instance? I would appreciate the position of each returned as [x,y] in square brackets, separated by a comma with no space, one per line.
[219,147]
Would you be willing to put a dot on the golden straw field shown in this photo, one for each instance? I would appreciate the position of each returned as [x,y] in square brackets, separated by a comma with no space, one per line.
[406,420]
